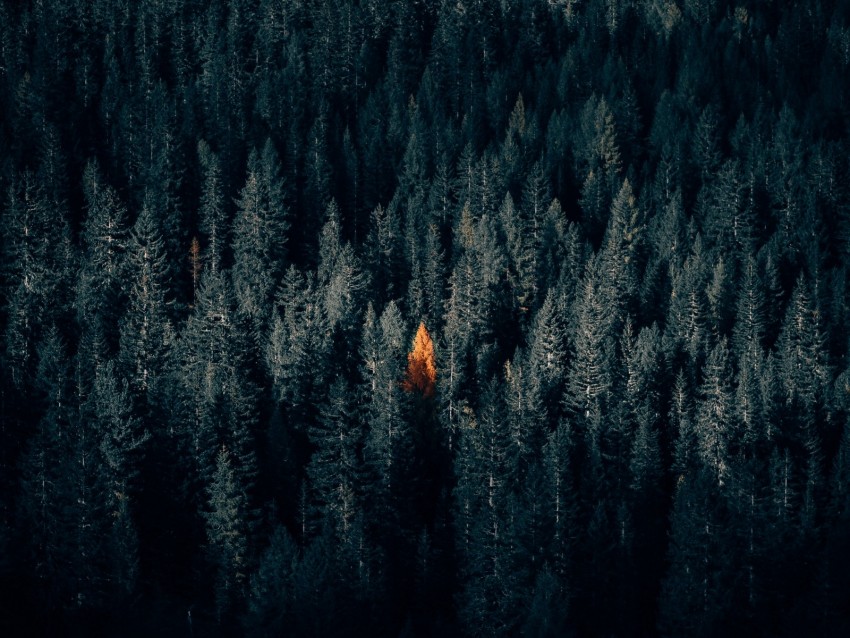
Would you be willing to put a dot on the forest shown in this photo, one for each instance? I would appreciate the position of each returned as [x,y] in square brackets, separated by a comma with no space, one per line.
[424,318]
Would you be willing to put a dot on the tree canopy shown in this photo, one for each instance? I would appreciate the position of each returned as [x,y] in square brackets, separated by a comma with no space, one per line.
[392,318]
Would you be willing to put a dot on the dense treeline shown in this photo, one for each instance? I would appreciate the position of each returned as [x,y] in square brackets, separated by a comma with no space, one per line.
[624,224]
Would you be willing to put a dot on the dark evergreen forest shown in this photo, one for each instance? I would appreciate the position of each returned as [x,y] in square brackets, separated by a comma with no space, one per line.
[424,318]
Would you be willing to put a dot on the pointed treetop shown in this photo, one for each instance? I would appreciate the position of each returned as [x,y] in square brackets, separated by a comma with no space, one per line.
[421,374]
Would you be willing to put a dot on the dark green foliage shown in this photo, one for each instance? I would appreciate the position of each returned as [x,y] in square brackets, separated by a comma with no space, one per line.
[227,539]
[590,375]
[42,468]
[146,336]
[694,598]
[212,213]
[623,224]
[37,270]
[259,236]
[548,611]
[334,468]
[486,534]
[714,424]
[122,434]
[105,236]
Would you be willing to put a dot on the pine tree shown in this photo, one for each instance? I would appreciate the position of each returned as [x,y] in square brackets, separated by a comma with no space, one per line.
[589,379]
[547,354]
[562,499]
[715,414]
[160,174]
[319,173]
[682,426]
[313,591]
[395,487]
[521,252]
[213,214]
[548,612]
[105,237]
[334,469]
[218,397]
[692,598]
[804,367]
[122,447]
[340,275]
[620,252]
[804,373]
[722,211]
[433,276]
[37,271]
[644,386]
[535,200]
[719,295]
[686,334]
[477,292]
[146,335]
[421,373]
[271,600]
[259,237]
[488,599]
[599,161]
[562,251]
[388,442]
[299,350]
[227,537]
[123,436]
[41,496]
[385,252]
[85,499]
[749,326]
[706,143]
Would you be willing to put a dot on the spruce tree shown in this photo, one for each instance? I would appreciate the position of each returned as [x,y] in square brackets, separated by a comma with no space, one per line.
[227,538]
[146,335]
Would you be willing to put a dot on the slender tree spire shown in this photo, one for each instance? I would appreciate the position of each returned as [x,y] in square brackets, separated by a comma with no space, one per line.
[421,368]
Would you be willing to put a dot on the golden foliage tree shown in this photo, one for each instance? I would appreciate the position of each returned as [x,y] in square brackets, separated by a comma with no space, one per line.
[421,369]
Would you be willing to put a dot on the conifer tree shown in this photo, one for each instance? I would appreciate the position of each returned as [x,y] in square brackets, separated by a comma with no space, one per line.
[37,269]
[535,200]
[259,237]
[218,397]
[692,598]
[482,497]
[749,326]
[334,469]
[300,347]
[122,447]
[146,334]
[804,371]
[521,252]
[388,443]
[589,380]
[271,599]
[714,431]
[227,536]
[599,159]
[339,274]
[547,354]
[384,251]
[421,373]
[122,433]
[562,500]
[42,477]
[620,252]
[213,214]
[105,237]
